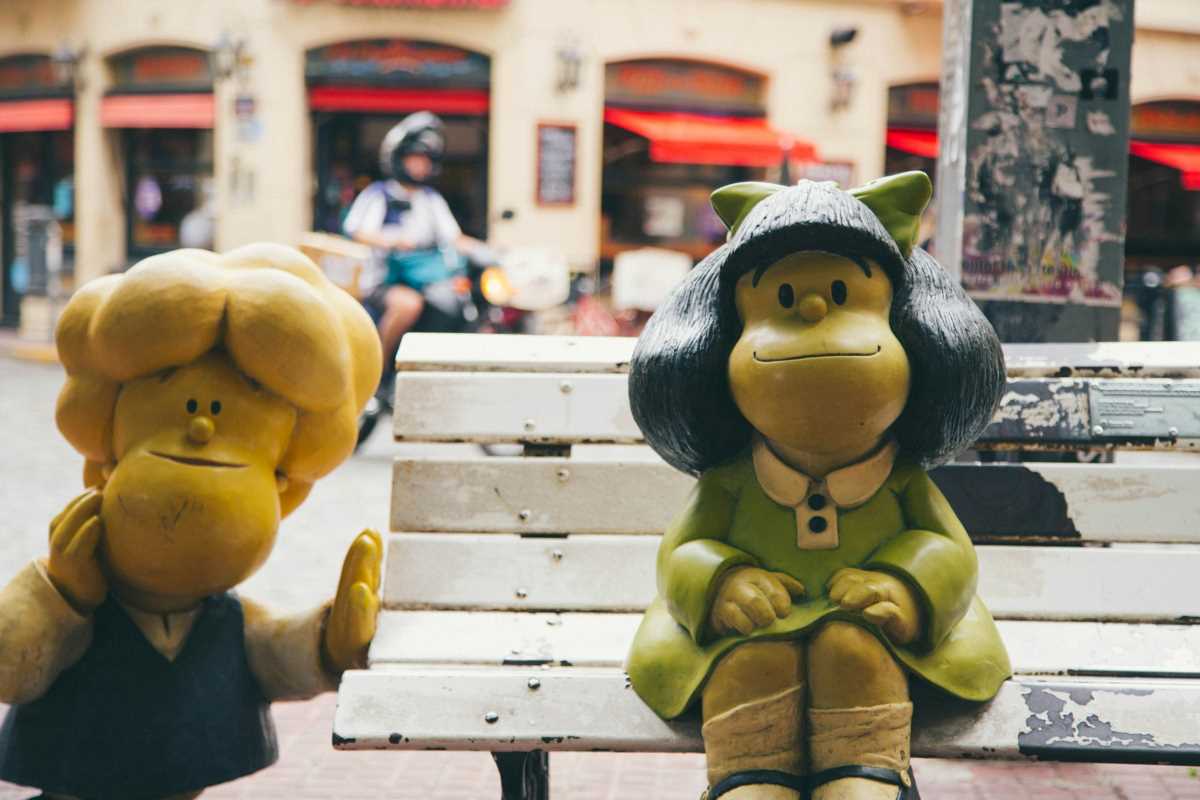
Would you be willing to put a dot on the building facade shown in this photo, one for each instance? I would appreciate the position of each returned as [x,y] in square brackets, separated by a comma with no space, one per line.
[149,124]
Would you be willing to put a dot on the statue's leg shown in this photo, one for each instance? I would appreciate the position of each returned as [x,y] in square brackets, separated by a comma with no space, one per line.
[753,706]
[860,716]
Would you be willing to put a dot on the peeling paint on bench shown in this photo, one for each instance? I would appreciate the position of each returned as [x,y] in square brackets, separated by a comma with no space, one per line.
[1063,726]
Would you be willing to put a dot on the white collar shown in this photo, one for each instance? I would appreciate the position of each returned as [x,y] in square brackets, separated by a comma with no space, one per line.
[849,486]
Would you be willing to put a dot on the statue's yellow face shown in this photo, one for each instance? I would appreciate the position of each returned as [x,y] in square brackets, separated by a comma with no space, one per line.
[817,364]
[191,506]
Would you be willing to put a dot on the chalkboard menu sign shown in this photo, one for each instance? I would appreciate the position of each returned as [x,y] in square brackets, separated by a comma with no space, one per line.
[556,165]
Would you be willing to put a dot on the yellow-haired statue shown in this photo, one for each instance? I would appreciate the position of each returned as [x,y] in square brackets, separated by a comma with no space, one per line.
[207,394]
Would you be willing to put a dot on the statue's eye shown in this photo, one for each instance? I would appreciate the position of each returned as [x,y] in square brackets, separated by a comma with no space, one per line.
[215,407]
[787,295]
[192,405]
[838,291]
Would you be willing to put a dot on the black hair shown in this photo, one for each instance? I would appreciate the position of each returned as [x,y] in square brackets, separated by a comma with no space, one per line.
[679,375]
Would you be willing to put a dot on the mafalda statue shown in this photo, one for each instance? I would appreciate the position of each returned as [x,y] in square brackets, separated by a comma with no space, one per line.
[206,394]
[808,371]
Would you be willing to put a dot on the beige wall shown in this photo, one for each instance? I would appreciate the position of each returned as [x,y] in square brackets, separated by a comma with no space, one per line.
[264,187]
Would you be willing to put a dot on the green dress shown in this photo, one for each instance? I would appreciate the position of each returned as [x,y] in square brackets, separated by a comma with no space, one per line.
[894,520]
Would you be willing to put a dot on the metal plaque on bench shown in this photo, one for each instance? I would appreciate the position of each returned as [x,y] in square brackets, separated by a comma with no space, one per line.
[1144,409]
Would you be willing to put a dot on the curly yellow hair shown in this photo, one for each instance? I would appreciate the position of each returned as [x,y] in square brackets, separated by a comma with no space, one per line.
[267,306]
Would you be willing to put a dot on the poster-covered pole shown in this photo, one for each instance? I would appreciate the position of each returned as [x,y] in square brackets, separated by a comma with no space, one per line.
[1032,171]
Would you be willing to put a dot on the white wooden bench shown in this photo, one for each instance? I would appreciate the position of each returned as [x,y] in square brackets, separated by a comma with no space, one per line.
[514,584]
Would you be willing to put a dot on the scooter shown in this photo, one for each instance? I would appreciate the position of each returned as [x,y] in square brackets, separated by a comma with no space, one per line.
[488,294]
[449,308]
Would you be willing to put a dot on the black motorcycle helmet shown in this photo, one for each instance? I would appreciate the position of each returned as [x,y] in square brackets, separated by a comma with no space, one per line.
[422,133]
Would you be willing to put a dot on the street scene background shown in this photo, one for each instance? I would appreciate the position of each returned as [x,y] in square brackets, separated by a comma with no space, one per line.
[582,139]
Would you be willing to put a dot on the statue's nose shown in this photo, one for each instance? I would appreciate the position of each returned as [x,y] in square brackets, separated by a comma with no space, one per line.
[201,429]
[812,307]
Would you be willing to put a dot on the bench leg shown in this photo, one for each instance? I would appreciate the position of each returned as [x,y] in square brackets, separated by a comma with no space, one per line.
[524,776]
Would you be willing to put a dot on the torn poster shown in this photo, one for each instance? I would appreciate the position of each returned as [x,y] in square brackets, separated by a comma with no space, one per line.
[1046,151]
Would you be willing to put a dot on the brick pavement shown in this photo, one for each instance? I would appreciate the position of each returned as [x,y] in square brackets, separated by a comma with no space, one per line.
[309,769]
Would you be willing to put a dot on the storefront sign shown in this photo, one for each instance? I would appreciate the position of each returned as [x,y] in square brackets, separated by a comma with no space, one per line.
[1174,120]
[683,85]
[914,105]
[556,165]
[30,76]
[156,68]
[396,62]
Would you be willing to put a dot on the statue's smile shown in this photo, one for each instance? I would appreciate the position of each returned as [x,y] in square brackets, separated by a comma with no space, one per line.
[196,462]
[878,348]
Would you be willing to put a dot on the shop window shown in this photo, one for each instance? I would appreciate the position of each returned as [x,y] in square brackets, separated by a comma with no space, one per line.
[348,160]
[1163,227]
[358,90]
[168,189]
[36,183]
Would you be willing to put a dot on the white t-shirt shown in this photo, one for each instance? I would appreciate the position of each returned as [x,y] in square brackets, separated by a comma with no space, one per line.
[426,224]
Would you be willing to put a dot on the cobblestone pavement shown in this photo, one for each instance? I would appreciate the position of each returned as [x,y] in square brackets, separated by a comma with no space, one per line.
[39,473]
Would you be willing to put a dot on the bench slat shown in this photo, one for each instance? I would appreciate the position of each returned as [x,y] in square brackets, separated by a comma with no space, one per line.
[480,407]
[595,709]
[499,638]
[565,408]
[512,353]
[420,352]
[1072,502]
[616,573]
[1104,360]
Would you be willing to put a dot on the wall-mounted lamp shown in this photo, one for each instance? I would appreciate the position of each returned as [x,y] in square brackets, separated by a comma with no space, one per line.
[65,62]
[228,56]
[842,36]
[570,64]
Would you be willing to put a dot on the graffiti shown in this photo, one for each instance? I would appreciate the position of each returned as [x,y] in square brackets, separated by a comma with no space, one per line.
[1044,204]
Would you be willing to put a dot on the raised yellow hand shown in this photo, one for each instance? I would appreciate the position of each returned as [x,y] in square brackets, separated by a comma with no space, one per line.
[74,563]
[750,598]
[883,599]
[351,624]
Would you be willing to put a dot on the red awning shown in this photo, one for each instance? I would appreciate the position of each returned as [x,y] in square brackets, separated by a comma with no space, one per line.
[157,111]
[36,115]
[923,143]
[681,138]
[398,101]
[1183,157]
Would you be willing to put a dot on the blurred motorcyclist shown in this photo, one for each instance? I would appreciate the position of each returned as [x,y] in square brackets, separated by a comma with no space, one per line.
[409,225]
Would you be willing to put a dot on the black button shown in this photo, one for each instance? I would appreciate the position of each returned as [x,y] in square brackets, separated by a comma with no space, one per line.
[816,502]
[817,524]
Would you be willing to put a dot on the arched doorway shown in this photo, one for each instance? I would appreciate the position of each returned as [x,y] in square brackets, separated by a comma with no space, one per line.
[1164,184]
[912,141]
[357,90]
[37,166]
[674,130]
[161,108]
[1162,239]
[912,128]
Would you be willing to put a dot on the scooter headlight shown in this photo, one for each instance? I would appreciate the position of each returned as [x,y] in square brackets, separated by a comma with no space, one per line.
[495,286]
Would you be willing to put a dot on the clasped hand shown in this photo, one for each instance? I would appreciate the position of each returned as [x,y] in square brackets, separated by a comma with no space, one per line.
[749,598]
[883,599]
